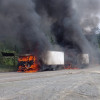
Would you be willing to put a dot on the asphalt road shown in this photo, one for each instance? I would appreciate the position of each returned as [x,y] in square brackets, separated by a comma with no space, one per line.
[57,85]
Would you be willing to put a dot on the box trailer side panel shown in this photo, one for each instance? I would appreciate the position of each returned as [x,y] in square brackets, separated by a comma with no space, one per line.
[83,59]
[54,58]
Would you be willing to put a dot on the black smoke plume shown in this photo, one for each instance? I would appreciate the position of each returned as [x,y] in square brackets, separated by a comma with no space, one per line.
[29,24]
[20,24]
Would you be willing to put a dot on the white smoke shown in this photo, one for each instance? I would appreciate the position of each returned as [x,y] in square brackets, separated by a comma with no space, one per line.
[88,12]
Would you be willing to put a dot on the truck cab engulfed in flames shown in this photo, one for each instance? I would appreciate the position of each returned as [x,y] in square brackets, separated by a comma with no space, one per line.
[27,63]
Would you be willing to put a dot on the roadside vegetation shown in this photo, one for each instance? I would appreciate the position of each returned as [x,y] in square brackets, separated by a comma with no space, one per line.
[7,64]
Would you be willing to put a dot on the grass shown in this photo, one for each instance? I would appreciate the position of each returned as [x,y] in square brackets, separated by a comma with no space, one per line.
[4,68]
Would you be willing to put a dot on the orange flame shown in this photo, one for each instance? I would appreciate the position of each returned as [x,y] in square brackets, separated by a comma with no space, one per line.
[69,66]
[28,64]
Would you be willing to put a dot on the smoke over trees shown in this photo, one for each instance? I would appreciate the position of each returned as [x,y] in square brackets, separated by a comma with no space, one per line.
[28,23]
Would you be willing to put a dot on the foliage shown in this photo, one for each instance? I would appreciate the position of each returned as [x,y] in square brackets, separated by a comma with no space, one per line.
[7,63]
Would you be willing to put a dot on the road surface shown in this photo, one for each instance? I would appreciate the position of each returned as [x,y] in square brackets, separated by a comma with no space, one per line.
[56,85]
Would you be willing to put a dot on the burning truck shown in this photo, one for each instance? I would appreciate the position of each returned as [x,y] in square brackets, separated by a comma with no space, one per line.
[53,60]
[27,63]
[30,63]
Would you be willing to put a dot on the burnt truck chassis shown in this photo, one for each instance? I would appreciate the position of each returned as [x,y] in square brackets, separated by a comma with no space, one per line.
[51,67]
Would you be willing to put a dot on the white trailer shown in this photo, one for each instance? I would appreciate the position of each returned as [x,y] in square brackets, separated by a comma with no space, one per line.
[53,59]
[83,59]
